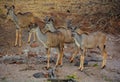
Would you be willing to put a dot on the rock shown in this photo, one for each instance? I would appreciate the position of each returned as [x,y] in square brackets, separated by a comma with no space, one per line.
[95,58]
[77,63]
[25,52]
[118,72]
[39,75]
[61,80]
[32,54]
[53,60]
[34,45]
[14,59]
[51,73]
[43,59]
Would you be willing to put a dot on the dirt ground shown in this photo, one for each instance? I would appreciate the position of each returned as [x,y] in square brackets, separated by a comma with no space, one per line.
[26,63]
[14,67]
[21,72]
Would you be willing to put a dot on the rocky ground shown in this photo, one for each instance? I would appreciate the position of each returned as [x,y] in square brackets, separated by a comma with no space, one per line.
[27,63]
[30,65]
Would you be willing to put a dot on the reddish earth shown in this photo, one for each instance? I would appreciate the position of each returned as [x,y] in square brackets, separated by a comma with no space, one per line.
[13,60]
[12,71]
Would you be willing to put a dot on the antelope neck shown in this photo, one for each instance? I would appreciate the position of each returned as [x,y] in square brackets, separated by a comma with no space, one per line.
[41,37]
[15,19]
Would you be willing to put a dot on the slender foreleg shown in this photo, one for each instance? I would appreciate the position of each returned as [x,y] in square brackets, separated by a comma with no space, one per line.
[104,53]
[16,37]
[61,56]
[74,54]
[29,37]
[20,37]
[58,57]
[34,35]
[48,55]
[82,57]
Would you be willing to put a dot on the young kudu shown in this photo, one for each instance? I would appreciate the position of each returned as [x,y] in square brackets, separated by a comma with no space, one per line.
[20,20]
[66,32]
[50,40]
[85,41]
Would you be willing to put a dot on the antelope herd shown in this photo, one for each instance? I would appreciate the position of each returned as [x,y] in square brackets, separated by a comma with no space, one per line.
[51,37]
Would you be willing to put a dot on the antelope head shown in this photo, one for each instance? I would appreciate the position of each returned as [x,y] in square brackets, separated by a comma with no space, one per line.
[49,26]
[32,28]
[10,12]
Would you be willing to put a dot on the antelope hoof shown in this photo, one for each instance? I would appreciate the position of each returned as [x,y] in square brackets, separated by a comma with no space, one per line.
[71,61]
[34,41]
[60,63]
[28,42]
[80,68]
[56,65]
[46,67]
[15,45]
[103,66]
[19,45]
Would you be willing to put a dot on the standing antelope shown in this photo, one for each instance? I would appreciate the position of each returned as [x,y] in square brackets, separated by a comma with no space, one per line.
[66,32]
[85,41]
[20,20]
[49,40]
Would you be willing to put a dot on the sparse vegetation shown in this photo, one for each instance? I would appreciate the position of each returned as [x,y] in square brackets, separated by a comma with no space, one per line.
[72,76]
[107,79]
[95,65]
[48,81]
[3,79]
[83,13]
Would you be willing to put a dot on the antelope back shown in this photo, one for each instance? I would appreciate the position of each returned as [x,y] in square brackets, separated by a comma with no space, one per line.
[55,39]
[92,40]
[67,35]
[25,19]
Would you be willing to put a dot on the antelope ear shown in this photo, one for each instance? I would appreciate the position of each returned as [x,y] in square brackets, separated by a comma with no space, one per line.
[52,19]
[13,6]
[75,27]
[5,6]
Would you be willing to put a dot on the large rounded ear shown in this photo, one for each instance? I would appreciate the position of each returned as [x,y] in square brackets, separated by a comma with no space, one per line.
[5,6]
[51,19]
[75,27]
[13,7]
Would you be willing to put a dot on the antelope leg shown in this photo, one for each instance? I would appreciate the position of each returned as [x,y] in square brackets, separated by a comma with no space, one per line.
[16,37]
[20,37]
[75,53]
[48,60]
[29,37]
